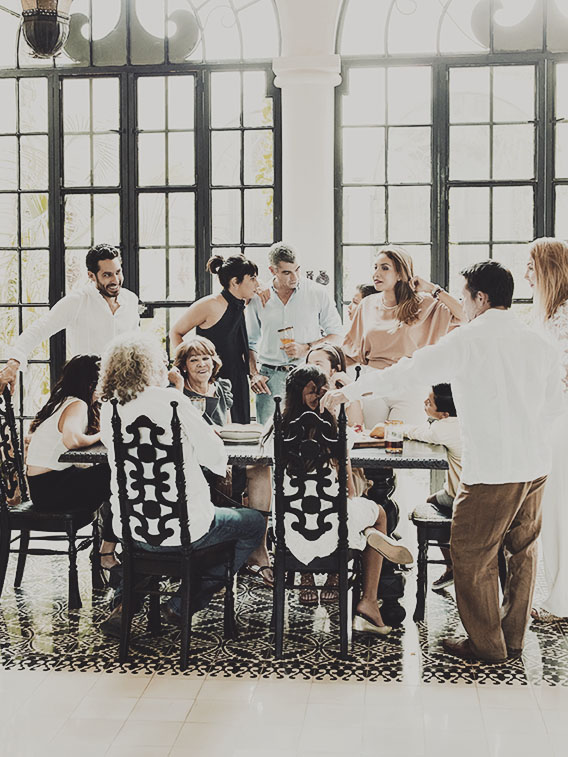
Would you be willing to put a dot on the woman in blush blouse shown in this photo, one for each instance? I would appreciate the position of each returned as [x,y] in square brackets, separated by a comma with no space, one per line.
[407,313]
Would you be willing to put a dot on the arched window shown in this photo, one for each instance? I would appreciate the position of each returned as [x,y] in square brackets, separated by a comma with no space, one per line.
[157,129]
[451,135]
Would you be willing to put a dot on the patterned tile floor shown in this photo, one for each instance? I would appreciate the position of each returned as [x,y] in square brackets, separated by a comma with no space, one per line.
[236,699]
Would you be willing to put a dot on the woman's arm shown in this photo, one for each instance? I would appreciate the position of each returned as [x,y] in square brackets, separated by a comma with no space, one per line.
[350,485]
[195,315]
[72,424]
[455,308]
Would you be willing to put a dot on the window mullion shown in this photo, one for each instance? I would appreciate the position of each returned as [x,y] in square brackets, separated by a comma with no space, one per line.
[440,268]
[203,182]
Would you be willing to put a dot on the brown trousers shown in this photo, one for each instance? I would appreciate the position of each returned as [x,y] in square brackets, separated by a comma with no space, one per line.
[486,517]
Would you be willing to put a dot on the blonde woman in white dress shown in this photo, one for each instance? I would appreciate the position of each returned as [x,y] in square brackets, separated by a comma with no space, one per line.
[547,273]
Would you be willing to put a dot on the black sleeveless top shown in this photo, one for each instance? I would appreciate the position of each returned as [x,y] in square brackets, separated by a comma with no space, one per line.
[229,335]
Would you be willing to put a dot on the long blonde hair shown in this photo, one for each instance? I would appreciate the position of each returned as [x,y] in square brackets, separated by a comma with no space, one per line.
[407,301]
[550,260]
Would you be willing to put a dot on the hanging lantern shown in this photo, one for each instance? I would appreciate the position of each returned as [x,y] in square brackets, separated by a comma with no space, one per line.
[45,24]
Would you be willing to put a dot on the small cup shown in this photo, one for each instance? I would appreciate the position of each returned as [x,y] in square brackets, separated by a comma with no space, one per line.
[199,403]
[394,435]
[286,336]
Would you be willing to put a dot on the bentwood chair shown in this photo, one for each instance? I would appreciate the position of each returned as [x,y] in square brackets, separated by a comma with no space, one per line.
[18,513]
[307,504]
[156,538]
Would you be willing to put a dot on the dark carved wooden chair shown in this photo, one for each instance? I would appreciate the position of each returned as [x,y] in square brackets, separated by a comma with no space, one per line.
[17,513]
[153,510]
[301,468]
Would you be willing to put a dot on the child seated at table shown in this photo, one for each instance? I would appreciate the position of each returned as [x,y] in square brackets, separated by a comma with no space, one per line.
[442,427]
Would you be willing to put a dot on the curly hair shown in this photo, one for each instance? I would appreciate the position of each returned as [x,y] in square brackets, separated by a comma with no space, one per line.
[131,363]
[197,345]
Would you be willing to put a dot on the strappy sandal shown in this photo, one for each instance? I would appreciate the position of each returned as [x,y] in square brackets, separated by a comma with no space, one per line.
[543,616]
[308,594]
[109,554]
[331,594]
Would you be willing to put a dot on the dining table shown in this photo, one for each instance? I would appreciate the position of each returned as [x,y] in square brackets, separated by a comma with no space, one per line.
[379,467]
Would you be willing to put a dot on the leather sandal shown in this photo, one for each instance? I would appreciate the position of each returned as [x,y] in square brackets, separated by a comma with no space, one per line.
[331,594]
[308,593]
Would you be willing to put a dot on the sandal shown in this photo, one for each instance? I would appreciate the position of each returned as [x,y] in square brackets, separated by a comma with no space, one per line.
[109,554]
[331,594]
[308,593]
[258,572]
[543,616]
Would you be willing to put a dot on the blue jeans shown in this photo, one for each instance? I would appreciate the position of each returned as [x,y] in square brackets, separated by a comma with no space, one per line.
[264,403]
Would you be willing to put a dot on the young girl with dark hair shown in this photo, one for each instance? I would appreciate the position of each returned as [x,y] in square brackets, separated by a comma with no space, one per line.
[70,420]
[220,318]
[305,386]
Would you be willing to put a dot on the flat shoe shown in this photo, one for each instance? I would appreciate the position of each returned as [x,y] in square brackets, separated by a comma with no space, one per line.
[388,547]
[258,572]
[364,624]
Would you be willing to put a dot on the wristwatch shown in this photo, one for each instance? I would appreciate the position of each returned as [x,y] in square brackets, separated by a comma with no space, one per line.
[436,291]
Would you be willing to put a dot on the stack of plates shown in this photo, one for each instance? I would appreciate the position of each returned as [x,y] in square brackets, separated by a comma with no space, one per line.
[241,433]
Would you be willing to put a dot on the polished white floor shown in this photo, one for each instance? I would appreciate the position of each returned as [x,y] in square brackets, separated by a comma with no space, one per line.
[136,715]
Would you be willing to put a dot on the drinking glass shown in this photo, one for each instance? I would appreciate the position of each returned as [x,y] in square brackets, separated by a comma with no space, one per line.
[199,403]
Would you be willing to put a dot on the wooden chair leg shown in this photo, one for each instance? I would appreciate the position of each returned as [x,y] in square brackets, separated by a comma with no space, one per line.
[154,623]
[278,609]
[422,577]
[229,625]
[22,555]
[185,622]
[74,601]
[5,535]
[127,612]
[343,613]
[97,581]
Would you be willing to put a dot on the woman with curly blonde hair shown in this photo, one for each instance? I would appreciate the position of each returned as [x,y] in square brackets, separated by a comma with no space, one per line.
[408,314]
[547,273]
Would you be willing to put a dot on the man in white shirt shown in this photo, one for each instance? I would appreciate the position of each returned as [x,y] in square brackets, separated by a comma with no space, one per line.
[91,316]
[506,385]
[294,302]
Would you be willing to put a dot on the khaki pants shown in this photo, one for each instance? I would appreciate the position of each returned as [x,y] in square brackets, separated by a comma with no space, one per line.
[487,516]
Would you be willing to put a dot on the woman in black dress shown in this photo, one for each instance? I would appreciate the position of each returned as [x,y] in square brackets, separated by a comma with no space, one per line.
[221,319]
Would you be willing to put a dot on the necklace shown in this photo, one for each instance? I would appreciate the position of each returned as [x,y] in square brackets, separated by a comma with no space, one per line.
[387,307]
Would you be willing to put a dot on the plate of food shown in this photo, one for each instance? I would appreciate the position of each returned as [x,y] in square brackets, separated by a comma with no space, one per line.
[241,433]
[373,438]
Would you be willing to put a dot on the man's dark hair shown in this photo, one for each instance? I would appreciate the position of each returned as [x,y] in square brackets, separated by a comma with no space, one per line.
[100,252]
[444,400]
[491,278]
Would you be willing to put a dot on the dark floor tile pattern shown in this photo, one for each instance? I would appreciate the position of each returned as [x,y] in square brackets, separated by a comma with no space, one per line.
[38,632]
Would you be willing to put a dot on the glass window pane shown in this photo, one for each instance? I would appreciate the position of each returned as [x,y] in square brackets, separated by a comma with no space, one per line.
[462,256]
[413,27]
[258,216]
[226,216]
[561,90]
[76,105]
[409,95]
[409,214]
[8,220]
[514,257]
[469,214]
[561,150]
[364,214]
[182,218]
[9,324]
[364,155]
[106,160]
[513,93]
[37,388]
[152,274]
[409,155]
[33,162]
[77,161]
[35,220]
[181,157]
[361,20]
[8,33]
[29,315]
[421,257]
[33,104]
[463,31]
[364,101]
[106,219]
[9,278]
[518,25]
[222,39]
[8,110]
[182,274]
[35,275]
[181,98]
[151,159]
[75,269]
[77,221]
[151,101]
[105,104]
[257,108]
[226,157]
[259,157]
[152,219]
[147,37]
[8,163]
[259,255]
[469,95]
[560,212]
[225,99]
[513,151]
[259,45]
[357,268]
[469,152]
[513,213]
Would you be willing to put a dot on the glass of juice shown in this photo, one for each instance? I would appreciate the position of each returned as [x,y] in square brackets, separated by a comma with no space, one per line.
[286,336]
[394,435]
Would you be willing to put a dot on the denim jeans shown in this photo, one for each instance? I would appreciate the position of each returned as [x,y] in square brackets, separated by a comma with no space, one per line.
[264,403]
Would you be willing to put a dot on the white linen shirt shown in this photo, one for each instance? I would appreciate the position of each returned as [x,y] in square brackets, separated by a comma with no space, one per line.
[309,310]
[88,322]
[506,386]
[201,446]
[445,431]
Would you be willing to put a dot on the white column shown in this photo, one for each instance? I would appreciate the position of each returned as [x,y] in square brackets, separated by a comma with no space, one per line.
[308,83]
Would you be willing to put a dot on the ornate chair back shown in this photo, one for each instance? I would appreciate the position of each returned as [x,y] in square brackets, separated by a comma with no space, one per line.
[151,482]
[14,482]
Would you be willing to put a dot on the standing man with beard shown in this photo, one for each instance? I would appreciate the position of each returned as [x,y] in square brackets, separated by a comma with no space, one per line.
[91,316]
